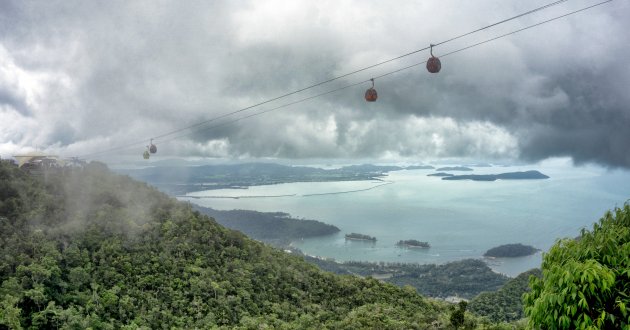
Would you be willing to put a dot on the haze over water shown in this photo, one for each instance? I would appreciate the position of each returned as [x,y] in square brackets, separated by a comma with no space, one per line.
[460,219]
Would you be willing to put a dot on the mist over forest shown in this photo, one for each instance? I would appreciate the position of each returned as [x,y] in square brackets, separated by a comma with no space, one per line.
[314,165]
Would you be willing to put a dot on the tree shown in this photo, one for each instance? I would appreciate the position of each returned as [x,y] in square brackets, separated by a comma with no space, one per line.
[586,281]
[9,313]
[457,317]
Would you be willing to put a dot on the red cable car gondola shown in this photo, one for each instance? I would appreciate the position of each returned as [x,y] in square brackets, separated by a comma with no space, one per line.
[433,63]
[370,94]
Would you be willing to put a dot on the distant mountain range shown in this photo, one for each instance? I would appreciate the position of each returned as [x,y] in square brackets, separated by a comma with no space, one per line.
[183,179]
[179,180]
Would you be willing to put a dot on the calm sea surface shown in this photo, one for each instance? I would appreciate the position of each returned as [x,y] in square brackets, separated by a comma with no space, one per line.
[460,219]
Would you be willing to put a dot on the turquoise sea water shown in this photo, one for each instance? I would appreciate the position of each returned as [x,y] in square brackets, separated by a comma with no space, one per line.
[460,219]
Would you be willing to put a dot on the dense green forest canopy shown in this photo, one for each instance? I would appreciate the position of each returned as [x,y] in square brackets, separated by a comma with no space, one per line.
[89,249]
[504,304]
[465,278]
[586,281]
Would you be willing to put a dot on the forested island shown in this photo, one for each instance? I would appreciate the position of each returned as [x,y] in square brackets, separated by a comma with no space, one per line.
[360,237]
[527,175]
[440,174]
[412,243]
[511,251]
[277,228]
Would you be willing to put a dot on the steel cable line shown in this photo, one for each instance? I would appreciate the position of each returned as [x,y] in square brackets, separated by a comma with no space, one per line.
[383,75]
[495,38]
[368,80]
[361,70]
[328,81]
[501,22]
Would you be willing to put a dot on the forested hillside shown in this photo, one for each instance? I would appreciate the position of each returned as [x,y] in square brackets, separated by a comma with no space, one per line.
[464,278]
[88,248]
[276,228]
[504,304]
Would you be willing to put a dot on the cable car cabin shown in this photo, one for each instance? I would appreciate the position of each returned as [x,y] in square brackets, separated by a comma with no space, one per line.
[146,154]
[433,63]
[370,94]
[152,147]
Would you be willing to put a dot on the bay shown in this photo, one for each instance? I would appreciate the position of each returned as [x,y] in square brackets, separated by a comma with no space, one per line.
[460,219]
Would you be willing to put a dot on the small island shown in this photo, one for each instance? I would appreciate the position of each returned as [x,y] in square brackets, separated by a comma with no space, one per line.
[440,174]
[527,175]
[454,168]
[360,237]
[511,251]
[412,243]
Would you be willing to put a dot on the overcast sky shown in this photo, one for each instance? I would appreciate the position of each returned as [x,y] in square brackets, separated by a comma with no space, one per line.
[82,76]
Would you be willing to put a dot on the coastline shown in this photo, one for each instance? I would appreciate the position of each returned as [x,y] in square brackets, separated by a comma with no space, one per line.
[458,216]
[381,184]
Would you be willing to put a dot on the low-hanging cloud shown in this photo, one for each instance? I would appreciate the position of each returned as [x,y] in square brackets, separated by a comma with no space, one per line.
[78,76]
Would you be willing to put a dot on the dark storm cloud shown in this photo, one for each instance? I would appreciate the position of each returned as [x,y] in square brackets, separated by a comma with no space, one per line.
[10,99]
[593,126]
[84,75]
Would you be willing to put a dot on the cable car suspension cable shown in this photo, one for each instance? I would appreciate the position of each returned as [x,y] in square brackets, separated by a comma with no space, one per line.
[388,73]
[360,70]
[350,73]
